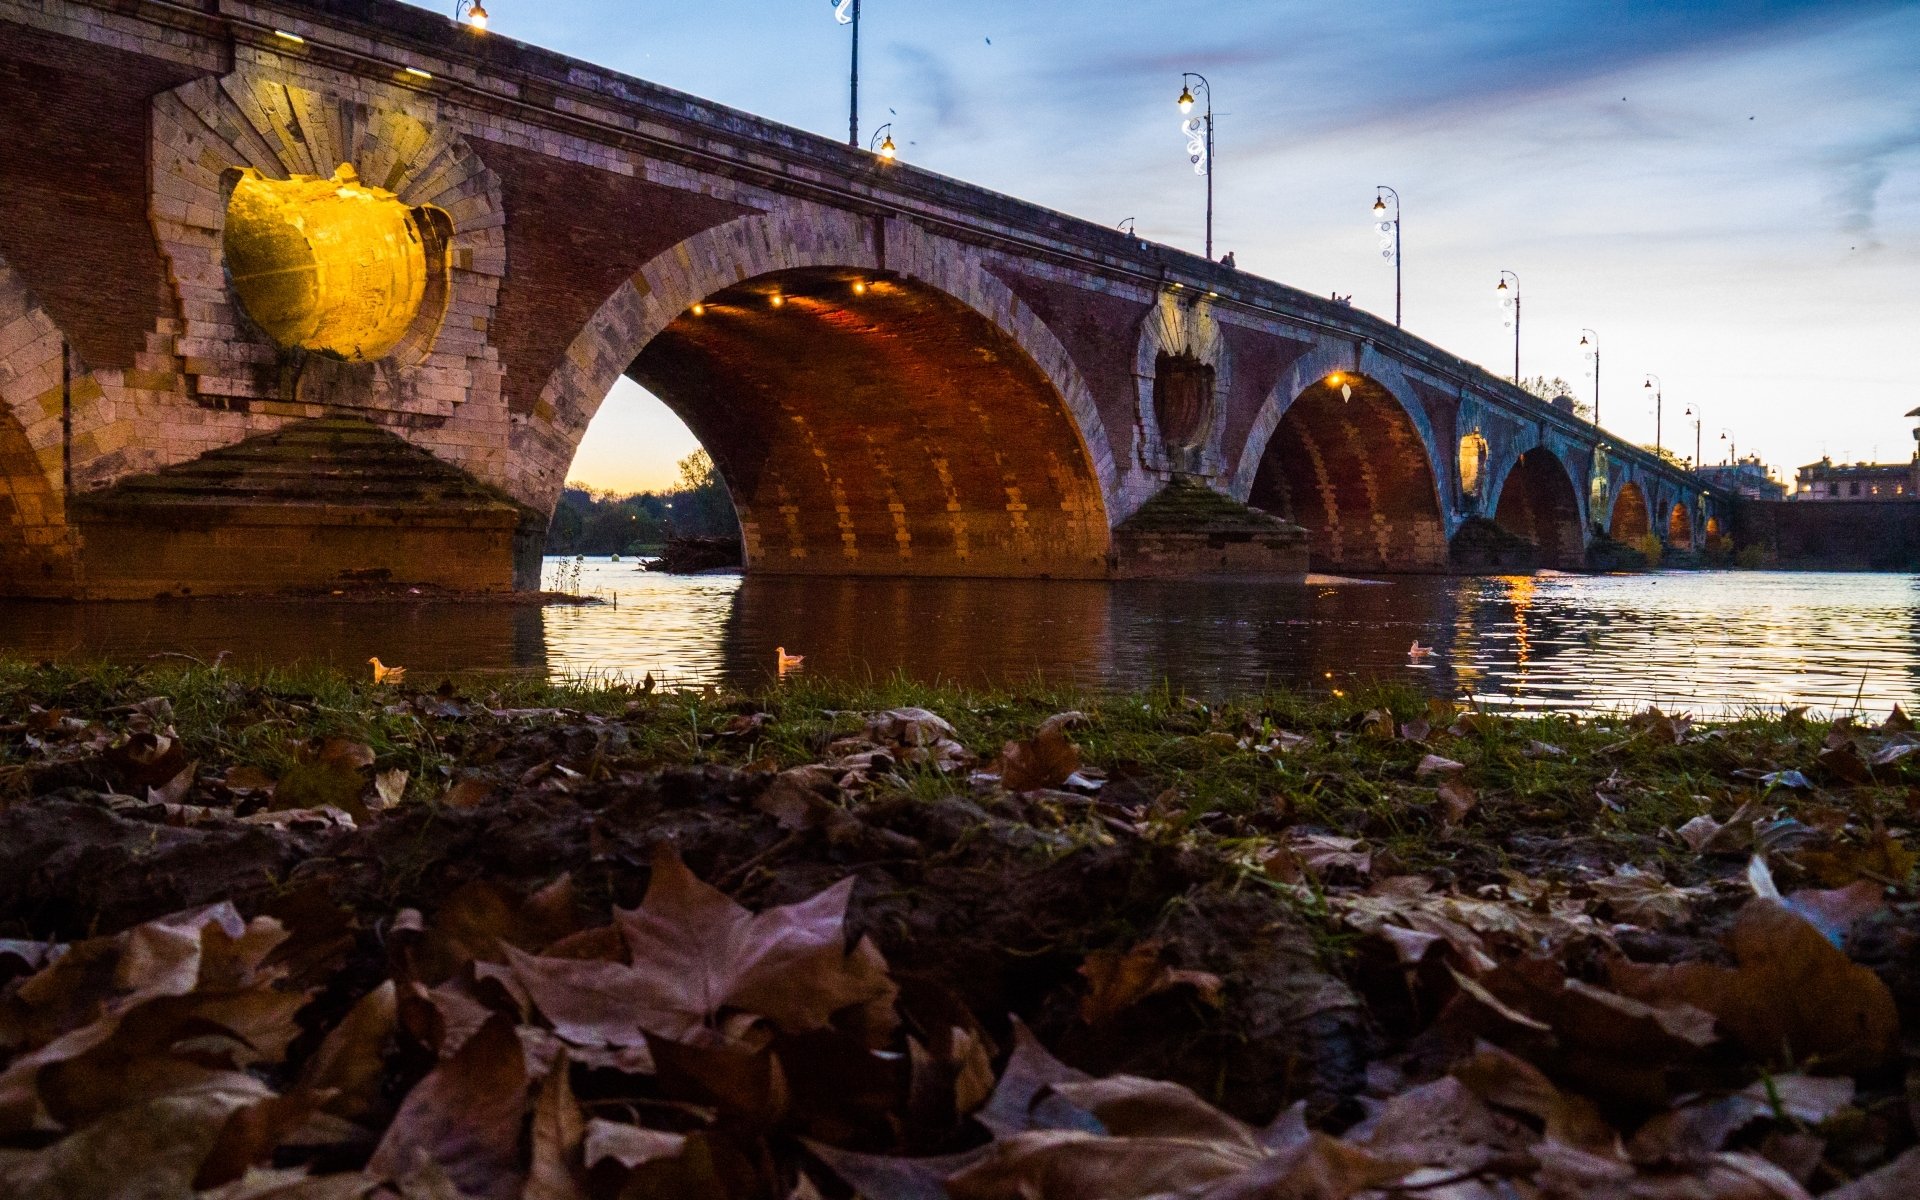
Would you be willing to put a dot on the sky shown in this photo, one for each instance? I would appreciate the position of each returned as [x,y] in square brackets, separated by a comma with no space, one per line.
[1727,192]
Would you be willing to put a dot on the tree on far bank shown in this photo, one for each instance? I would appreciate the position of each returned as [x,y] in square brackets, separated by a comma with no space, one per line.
[1551,389]
[588,521]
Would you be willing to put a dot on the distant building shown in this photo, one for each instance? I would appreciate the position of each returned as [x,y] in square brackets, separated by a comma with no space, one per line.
[1828,480]
[1749,478]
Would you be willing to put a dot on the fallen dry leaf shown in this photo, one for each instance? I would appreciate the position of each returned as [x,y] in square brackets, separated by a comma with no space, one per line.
[1434,764]
[559,1131]
[350,1062]
[1834,912]
[1456,799]
[1377,723]
[151,1149]
[390,787]
[1898,1180]
[1643,898]
[1046,760]
[629,1145]
[1792,991]
[464,1118]
[696,954]
[1326,855]
[1117,981]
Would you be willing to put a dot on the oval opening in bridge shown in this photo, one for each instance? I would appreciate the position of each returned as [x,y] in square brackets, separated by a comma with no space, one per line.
[335,267]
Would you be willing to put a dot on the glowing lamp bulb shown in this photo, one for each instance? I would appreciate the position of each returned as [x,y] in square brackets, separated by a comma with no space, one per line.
[1186,99]
[887,147]
[1501,286]
[699,310]
[477,17]
[859,288]
[777,300]
[1379,206]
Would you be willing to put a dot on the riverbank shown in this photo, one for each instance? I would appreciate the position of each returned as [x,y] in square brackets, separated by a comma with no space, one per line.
[1473,949]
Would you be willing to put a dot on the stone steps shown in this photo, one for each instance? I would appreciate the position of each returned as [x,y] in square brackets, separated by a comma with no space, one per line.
[334,461]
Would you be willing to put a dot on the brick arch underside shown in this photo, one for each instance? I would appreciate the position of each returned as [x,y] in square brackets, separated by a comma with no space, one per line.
[1537,502]
[1629,522]
[33,534]
[1354,473]
[1679,527]
[892,431]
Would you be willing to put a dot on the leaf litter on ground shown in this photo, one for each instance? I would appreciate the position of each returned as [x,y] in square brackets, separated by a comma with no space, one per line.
[1594,1025]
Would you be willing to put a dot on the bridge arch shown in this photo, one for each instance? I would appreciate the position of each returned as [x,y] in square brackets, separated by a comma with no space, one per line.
[32,521]
[1632,517]
[875,407]
[1352,463]
[1538,499]
[1679,526]
[35,549]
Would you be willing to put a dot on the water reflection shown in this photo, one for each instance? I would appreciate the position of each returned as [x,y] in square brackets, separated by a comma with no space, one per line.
[1705,641]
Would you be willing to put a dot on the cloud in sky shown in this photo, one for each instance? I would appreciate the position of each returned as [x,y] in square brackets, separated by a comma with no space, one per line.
[1746,222]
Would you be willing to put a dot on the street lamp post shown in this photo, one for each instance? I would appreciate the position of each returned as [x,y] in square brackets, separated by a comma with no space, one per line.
[1733,446]
[1380,214]
[1658,389]
[847,12]
[1199,144]
[1515,302]
[1697,462]
[1591,341]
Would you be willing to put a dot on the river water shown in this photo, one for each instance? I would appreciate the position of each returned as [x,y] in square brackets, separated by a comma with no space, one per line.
[1709,642]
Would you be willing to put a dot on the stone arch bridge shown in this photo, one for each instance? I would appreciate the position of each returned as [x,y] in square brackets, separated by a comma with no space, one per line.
[298,289]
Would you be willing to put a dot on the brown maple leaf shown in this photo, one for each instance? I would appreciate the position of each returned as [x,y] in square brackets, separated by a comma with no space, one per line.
[695,953]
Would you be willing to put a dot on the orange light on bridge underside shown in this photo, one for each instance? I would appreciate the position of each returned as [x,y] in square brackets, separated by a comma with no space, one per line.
[776,299]
[699,310]
[859,287]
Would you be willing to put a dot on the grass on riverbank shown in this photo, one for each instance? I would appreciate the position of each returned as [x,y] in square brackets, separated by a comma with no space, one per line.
[1606,788]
